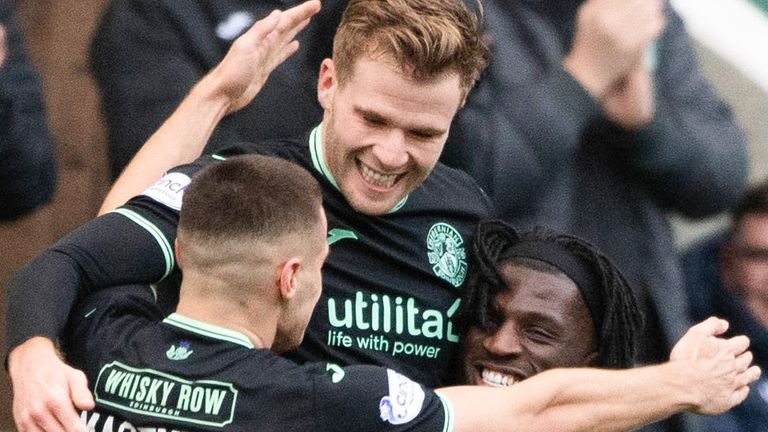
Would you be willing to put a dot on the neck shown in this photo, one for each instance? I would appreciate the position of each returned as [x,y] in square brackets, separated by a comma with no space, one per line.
[259,325]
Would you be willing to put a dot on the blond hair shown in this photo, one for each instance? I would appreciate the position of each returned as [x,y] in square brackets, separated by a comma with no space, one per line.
[425,38]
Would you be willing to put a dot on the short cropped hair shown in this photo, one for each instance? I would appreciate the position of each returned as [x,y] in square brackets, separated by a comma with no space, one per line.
[426,38]
[621,318]
[249,197]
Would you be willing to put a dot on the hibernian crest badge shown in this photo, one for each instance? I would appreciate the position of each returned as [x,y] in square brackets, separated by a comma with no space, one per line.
[445,249]
[179,353]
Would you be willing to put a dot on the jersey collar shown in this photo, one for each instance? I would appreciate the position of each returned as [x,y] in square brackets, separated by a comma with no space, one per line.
[316,150]
[208,330]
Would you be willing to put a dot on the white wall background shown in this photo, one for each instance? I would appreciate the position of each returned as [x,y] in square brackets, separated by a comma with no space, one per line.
[731,38]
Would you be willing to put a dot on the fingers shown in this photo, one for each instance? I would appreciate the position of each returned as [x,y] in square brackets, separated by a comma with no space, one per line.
[296,18]
[284,25]
[50,411]
[41,386]
[38,415]
[287,52]
[712,326]
[263,27]
[53,411]
[751,375]
[78,389]
[738,344]
[298,14]
[739,396]
[68,418]
[277,31]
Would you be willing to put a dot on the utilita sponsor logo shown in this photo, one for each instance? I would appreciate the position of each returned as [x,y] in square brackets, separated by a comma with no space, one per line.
[392,315]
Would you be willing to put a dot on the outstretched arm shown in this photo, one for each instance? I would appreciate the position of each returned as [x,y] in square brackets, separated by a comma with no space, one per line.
[104,252]
[707,375]
[227,88]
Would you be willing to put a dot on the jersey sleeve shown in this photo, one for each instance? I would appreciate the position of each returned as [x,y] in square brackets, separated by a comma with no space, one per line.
[371,398]
[106,316]
[130,245]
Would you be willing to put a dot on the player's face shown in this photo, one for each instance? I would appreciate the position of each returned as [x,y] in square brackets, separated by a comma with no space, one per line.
[745,264]
[383,132]
[540,322]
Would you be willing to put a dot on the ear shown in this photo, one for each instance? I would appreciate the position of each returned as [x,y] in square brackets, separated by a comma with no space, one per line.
[287,277]
[326,83]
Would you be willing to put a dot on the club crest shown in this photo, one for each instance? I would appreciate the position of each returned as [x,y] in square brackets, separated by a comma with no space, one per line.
[446,253]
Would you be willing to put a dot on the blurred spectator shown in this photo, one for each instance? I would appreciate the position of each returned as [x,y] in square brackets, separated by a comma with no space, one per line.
[593,119]
[727,276]
[147,54]
[27,171]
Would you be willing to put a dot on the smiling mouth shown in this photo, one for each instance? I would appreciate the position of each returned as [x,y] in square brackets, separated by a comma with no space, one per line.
[497,379]
[376,178]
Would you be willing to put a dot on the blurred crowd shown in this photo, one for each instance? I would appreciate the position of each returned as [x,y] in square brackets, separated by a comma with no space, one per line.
[593,118]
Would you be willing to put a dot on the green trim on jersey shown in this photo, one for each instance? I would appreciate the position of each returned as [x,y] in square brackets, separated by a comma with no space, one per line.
[208,330]
[154,231]
[218,157]
[318,157]
[449,413]
[399,204]
[316,150]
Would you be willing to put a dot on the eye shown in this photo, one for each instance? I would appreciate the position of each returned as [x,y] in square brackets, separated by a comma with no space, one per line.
[373,120]
[422,136]
[539,334]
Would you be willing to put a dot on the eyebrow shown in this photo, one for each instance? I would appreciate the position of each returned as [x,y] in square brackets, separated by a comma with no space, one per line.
[533,316]
[370,115]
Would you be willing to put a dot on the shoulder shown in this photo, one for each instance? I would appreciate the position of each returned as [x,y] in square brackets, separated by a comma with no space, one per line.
[108,315]
[362,397]
[450,187]
[294,150]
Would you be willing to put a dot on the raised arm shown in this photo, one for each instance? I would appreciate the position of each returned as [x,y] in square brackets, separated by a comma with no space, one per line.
[122,247]
[706,375]
[227,88]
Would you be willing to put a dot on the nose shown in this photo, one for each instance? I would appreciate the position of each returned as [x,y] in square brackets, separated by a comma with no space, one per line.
[392,149]
[505,341]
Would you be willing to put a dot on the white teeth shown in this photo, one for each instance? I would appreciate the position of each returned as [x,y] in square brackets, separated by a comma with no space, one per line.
[497,379]
[377,179]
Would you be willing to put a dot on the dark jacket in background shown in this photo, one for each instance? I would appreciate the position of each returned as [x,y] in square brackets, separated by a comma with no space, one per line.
[708,297]
[540,147]
[27,158]
[147,55]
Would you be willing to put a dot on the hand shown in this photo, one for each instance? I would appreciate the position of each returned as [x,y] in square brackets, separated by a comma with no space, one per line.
[3,46]
[609,36]
[46,391]
[632,103]
[255,54]
[720,368]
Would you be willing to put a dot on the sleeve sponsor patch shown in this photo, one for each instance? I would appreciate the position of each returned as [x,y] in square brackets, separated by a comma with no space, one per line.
[169,190]
[404,402]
